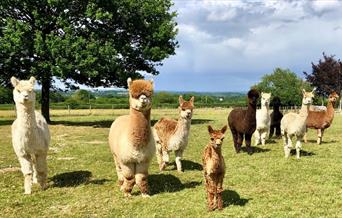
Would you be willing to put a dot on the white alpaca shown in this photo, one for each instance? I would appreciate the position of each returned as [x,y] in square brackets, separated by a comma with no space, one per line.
[294,124]
[172,135]
[30,135]
[263,119]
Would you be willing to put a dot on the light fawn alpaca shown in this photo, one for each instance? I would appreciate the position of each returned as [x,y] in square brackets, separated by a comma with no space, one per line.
[172,135]
[30,135]
[263,119]
[294,124]
[214,168]
[131,140]
[322,120]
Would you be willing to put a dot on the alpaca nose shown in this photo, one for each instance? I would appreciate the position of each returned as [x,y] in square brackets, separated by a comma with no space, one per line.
[143,99]
[218,141]
[26,96]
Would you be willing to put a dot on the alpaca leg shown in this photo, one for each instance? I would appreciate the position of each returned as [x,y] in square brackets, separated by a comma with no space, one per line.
[42,169]
[219,192]
[305,136]
[26,169]
[239,142]
[179,155]
[319,136]
[278,131]
[322,133]
[271,132]
[298,146]
[257,137]
[128,172]
[118,171]
[263,137]
[159,154]
[141,175]
[235,138]
[248,139]
[287,149]
[210,186]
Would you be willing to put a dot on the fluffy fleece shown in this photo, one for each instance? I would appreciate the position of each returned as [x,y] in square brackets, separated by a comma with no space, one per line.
[322,120]
[263,119]
[131,140]
[214,168]
[172,135]
[294,124]
[276,117]
[30,135]
[242,122]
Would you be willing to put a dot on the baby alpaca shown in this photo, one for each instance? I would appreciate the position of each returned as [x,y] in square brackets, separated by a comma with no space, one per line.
[214,168]
[294,124]
[263,119]
[131,140]
[30,135]
[172,135]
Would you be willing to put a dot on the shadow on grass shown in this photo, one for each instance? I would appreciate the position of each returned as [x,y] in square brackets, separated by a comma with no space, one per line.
[6,122]
[75,178]
[302,153]
[193,121]
[255,150]
[160,183]
[190,165]
[231,197]
[323,142]
[95,124]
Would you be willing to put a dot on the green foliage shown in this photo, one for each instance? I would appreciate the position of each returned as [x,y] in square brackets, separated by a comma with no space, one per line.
[285,84]
[5,95]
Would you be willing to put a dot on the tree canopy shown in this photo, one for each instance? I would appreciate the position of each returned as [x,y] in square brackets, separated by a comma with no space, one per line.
[326,75]
[91,42]
[285,84]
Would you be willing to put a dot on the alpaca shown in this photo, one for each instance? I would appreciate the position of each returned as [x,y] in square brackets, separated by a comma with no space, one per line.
[263,119]
[294,124]
[171,135]
[322,120]
[214,168]
[131,140]
[276,117]
[30,135]
[242,122]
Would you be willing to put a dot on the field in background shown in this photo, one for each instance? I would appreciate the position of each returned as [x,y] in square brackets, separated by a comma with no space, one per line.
[82,176]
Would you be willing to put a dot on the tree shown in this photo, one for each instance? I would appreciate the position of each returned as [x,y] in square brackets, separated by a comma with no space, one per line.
[91,42]
[284,84]
[5,95]
[326,75]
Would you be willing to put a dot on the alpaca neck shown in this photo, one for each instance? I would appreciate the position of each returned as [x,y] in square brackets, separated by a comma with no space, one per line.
[304,110]
[330,111]
[215,151]
[265,107]
[276,108]
[183,125]
[140,126]
[26,115]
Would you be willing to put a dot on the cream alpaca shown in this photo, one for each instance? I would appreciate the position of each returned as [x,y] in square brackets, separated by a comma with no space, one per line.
[294,124]
[30,135]
[171,135]
[263,119]
[131,140]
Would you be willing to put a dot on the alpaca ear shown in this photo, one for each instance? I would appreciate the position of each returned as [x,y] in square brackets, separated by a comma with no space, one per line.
[192,99]
[32,80]
[129,82]
[181,100]
[210,129]
[303,91]
[152,82]
[224,129]
[314,89]
[14,81]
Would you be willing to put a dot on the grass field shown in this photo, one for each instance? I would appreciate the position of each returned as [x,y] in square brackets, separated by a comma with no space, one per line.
[82,178]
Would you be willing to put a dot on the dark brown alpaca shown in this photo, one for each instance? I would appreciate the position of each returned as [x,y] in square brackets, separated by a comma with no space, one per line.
[242,122]
[214,168]
[321,120]
[276,116]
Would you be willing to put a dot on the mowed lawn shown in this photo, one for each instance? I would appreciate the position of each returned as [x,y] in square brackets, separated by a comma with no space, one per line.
[82,178]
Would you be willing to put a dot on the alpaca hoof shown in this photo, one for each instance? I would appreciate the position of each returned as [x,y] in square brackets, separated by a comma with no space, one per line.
[27,192]
[162,166]
[145,195]
[127,195]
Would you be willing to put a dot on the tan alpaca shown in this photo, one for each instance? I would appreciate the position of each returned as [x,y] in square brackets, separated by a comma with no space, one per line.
[263,119]
[172,135]
[294,124]
[214,168]
[131,140]
[30,135]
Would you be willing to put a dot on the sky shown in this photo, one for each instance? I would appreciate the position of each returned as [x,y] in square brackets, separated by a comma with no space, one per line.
[228,45]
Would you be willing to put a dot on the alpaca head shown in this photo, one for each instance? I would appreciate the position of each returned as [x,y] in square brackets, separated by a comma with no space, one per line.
[140,94]
[253,96]
[217,136]
[333,97]
[186,107]
[307,97]
[23,92]
[265,99]
[276,101]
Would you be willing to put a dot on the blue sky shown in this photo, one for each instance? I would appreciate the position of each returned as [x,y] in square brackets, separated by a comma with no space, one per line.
[229,45]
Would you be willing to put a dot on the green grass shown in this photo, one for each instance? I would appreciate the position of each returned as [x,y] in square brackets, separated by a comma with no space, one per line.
[82,175]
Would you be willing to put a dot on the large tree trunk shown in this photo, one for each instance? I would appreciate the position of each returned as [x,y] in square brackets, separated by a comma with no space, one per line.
[46,84]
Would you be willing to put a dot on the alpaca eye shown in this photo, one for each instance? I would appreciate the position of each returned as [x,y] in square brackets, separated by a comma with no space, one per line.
[212,139]
[183,109]
[222,138]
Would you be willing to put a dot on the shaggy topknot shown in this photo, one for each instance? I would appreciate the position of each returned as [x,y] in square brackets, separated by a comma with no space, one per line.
[253,93]
[140,87]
